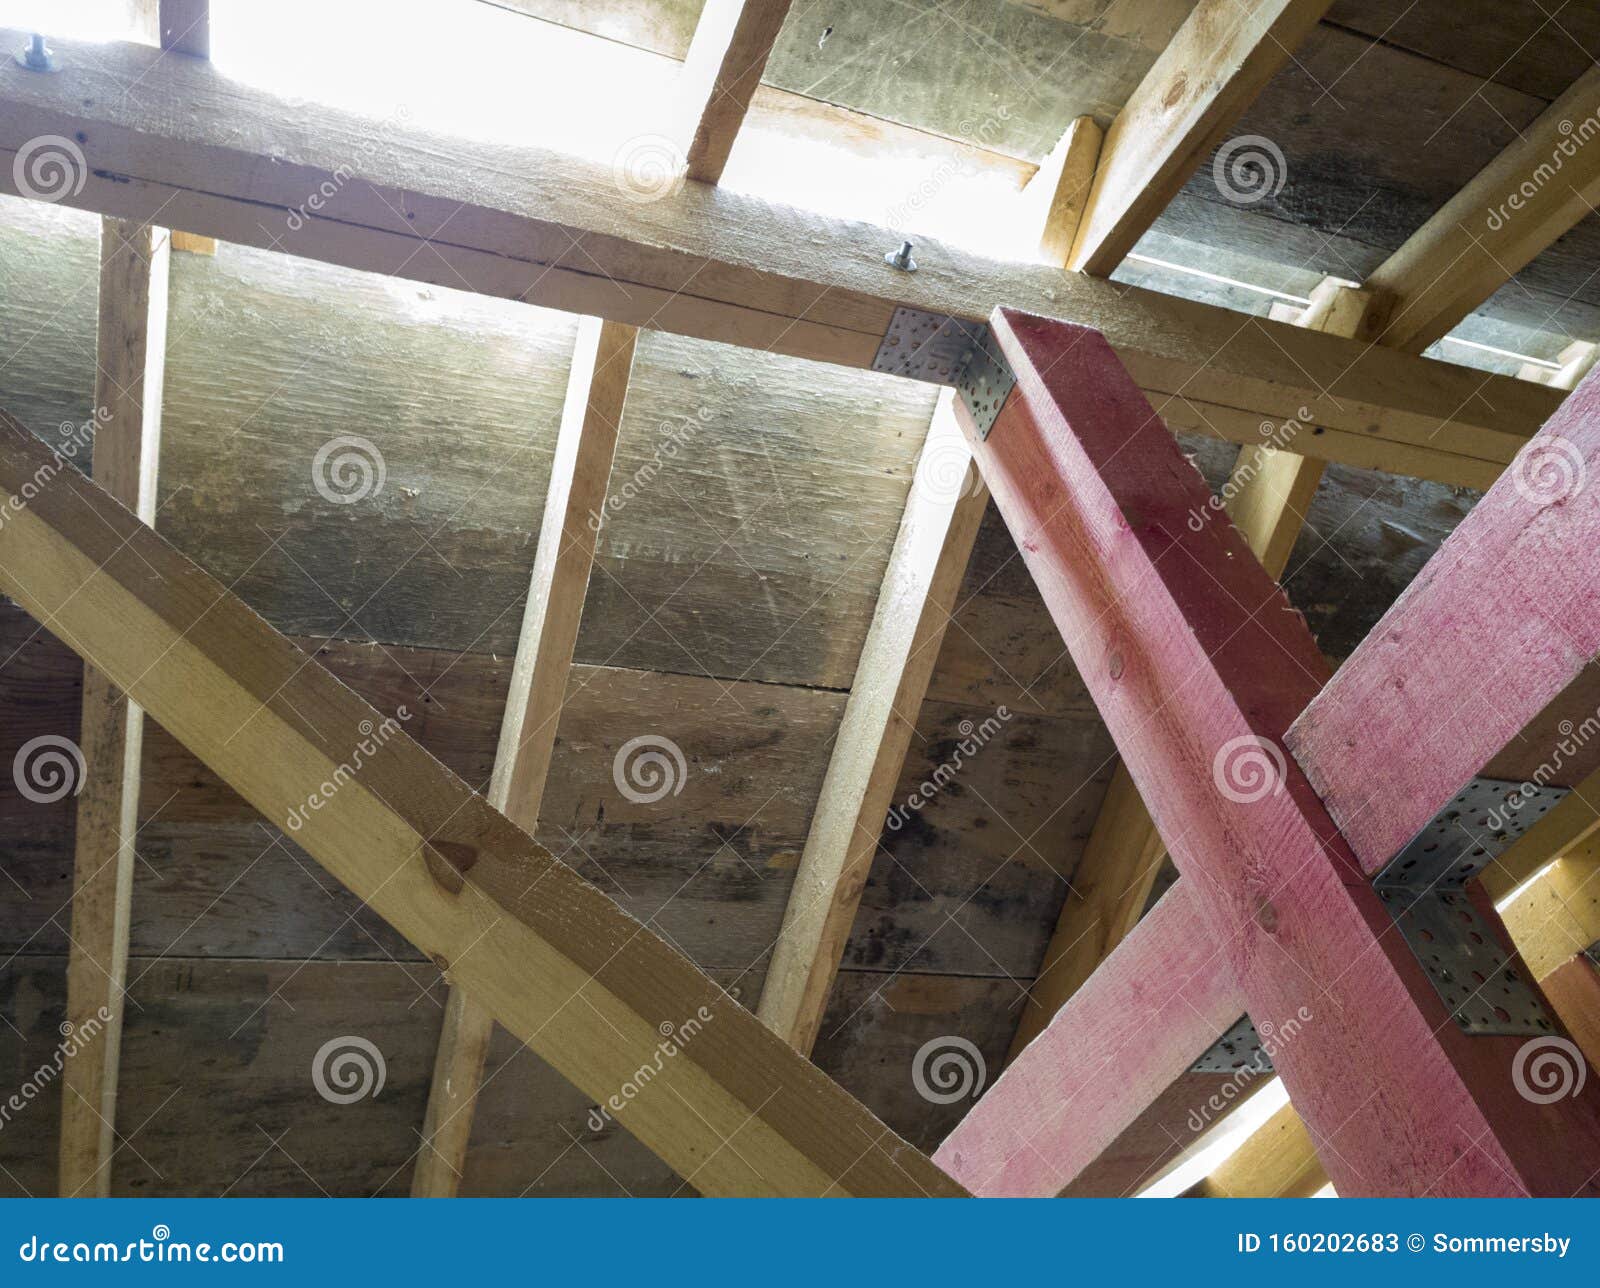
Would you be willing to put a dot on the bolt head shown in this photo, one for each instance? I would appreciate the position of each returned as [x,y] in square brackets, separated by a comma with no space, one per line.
[37,57]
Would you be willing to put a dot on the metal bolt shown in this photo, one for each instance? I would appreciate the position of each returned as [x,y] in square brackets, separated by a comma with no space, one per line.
[37,56]
[901,259]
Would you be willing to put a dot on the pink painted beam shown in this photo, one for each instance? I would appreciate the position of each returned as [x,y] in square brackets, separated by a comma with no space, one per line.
[1199,666]
[1485,662]
[1074,1099]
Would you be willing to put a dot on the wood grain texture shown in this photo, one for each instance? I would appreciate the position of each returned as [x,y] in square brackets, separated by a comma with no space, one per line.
[1278,1161]
[597,388]
[1055,198]
[126,435]
[1476,691]
[1187,103]
[1521,202]
[1574,990]
[1097,494]
[925,572]
[732,42]
[1134,1028]
[543,948]
[701,261]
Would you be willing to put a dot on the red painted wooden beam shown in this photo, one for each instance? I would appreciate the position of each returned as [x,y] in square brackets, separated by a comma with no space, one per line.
[1199,666]
[1485,663]
[1074,1100]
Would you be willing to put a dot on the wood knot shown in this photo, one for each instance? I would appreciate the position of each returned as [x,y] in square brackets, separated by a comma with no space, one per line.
[1115,666]
[1266,916]
[448,863]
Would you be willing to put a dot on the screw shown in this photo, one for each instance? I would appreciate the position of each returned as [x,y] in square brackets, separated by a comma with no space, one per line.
[37,56]
[901,259]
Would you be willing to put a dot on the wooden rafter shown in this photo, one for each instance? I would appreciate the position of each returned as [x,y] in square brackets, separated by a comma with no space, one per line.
[597,390]
[930,555]
[183,26]
[1098,495]
[130,357]
[1518,204]
[1209,73]
[734,1109]
[731,44]
[704,261]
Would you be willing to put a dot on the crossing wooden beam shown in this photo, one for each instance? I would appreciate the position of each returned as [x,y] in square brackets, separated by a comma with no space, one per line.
[130,357]
[1518,204]
[930,555]
[179,26]
[732,42]
[1199,668]
[232,161]
[1208,75]
[597,390]
[733,1109]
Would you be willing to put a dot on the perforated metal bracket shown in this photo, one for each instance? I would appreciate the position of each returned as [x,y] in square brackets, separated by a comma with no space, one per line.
[945,350]
[1422,887]
[1236,1050]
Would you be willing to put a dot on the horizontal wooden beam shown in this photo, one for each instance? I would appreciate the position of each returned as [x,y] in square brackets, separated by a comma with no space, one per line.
[1208,75]
[1278,1161]
[1518,204]
[231,161]
[727,1103]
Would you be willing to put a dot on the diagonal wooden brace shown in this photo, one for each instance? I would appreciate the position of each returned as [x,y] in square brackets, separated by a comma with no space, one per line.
[1200,666]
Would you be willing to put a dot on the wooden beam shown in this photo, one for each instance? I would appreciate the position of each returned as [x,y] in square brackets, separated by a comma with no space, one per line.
[1205,79]
[597,390]
[734,1109]
[1518,204]
[1082,1088]
[180,26]
[1444,688]
[1267,498]
[1577,360]
[1278,1161]
[232,161]
[1054,199]
[130,355]
[1198,666]
[1558,915]
[732,42]
[926,567]
[1574,990]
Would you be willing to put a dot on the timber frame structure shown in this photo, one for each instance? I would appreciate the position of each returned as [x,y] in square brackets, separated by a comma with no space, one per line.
[1284,792]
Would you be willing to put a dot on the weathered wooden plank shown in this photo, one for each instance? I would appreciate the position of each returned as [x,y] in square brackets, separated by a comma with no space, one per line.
[732,42]
[1097,494]
[925,572]
[126,447]
[508,921]
[1055,198]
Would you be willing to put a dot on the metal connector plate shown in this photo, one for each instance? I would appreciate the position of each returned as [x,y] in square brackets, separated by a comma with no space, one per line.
[1236,1050]
[944,350]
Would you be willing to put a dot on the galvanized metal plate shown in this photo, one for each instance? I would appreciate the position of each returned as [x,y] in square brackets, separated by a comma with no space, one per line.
[1470,972]
[1479,824]
[1236,1050]
[948,351]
